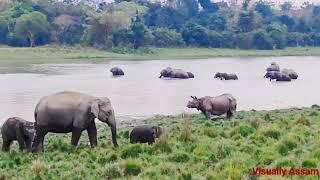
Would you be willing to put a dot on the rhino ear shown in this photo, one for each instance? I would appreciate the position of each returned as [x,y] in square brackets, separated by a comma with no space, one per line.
[196,98]
[95,108]
[192,97]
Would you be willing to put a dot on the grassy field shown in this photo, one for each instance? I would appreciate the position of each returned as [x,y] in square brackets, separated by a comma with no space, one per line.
[191,148]
[59,54]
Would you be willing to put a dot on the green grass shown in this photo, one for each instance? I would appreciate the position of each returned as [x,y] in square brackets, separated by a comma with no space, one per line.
[191,148]
[61,54]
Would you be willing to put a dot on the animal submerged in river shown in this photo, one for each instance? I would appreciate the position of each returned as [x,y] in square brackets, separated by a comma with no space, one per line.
[116,71]
[74,112]
[226,76]
[223,104]
[16,128]
[273,67]
[145,134]
[175,73]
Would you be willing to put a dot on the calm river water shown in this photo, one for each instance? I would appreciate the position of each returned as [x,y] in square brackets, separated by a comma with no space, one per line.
[140,93]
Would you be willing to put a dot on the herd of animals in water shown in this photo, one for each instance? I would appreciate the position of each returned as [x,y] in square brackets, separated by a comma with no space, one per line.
[273,73]
[74,112]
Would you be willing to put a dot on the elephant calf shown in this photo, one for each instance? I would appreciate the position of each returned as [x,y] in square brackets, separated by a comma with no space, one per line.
[145,134]
[116,71]
[273,67]
[18,129]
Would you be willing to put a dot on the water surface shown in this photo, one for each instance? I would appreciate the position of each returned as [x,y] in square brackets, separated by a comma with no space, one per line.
[140,93]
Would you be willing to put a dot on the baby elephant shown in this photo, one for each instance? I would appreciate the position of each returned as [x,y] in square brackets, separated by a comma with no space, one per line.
[18,129]
[116,71]
[145,134]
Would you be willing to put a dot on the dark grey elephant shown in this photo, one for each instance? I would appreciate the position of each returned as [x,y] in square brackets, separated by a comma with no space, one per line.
[190,74]
[223,104]
[116,71]
[273,67]
[175,73]
[145,134]
[74,112]
[16,128]
[226,76]
[271,75]
[282,77]
[291,73]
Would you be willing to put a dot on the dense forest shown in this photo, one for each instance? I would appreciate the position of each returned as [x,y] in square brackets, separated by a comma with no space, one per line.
[173,23]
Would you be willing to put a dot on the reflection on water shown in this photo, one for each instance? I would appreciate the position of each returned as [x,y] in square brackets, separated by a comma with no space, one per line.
[141,93]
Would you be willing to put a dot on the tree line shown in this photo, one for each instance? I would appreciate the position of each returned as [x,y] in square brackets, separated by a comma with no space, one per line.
[133,24]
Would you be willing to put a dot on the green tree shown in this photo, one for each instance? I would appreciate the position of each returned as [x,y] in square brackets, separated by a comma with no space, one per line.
[140,33]
[167,38]
[195,35]
[246,21]
[261,40]
[3,29]
[265,10]
[32,26]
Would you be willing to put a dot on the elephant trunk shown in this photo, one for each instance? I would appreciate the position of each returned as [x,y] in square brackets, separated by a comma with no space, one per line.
[114,135]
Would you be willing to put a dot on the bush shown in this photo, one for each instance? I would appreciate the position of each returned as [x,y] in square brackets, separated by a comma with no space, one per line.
[272,133]
[185,131]
[38,168]
[132,168]
[132,151]
[164,37]
[309,163]
[210,132]
[162,144]
[111,171]
[261,40]
[179,157]
[244,130]
[112,157]
[303,121]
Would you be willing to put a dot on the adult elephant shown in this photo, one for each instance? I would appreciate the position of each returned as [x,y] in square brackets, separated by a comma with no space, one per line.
[271,75]
[282,77]
[226,76]
[223,104]
[116,71]
[175,73]
[273,67]
[74,112]
[291,73]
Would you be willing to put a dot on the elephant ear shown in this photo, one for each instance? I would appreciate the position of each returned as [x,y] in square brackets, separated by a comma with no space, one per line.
[95,108]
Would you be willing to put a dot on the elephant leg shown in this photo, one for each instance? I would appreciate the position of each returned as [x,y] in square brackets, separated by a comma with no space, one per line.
[28,145]
[21,144]
[92,133]
[37,144]
[76,133]
[6,145]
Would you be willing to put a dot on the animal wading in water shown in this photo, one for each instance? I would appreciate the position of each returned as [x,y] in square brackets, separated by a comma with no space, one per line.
[223,104]
[175,73]
[74,112]
[226,76]
[16,128]
[145,134]
[116,71]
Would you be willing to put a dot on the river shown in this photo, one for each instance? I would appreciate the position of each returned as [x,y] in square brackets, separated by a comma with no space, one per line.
[140,93]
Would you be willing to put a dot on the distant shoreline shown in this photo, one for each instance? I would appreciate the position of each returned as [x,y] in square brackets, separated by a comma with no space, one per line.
[61,54]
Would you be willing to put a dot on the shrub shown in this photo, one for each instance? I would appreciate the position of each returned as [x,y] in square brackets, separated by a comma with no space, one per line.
[272,133]
[111,171]
[210,132]
[132,168]
[244,130]
[162,144]
[179,157]
[303,121]
[112,157]
[309,163]
[185,131]
[38,168]
[132,151]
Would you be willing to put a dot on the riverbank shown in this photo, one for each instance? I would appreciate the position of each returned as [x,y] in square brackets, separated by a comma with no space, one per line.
[60,54]
[192,148]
